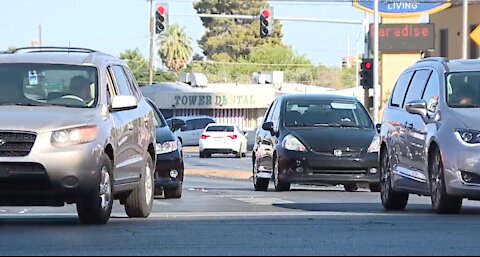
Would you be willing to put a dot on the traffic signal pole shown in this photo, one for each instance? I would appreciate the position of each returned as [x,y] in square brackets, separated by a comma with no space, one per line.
[152,46]
[376,57]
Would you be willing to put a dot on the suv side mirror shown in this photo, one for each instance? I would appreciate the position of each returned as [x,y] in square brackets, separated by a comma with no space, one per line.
[123,103]
[417,107]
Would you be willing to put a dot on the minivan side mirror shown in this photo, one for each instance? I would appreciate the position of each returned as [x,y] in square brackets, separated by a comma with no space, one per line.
[418,107]
[123,103]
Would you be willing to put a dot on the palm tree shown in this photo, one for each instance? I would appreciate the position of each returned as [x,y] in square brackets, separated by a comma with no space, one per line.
[175,48]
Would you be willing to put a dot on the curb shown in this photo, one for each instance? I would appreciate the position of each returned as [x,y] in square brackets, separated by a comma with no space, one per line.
[228,174]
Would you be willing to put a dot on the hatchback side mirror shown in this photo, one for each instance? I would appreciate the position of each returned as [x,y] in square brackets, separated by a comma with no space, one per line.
[418,107]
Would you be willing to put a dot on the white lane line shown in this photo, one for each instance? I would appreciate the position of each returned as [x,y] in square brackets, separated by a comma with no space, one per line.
[24,211]
[263,201]
[161,203]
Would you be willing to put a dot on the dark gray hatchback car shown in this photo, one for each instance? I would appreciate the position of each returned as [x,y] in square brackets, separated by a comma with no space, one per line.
[430,135]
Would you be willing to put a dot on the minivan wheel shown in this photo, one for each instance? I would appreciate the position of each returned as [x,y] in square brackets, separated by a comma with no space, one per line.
[140,202]
[442,203]
[391,200]
[173,193]
[351,187]
[260,184]
[280,185]
[96,208]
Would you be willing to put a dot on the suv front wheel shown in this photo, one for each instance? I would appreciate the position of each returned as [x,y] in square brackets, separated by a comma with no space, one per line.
[96,207]
[140,202]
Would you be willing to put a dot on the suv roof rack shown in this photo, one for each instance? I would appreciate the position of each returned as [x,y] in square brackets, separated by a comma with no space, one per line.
[442,60]
[53,49]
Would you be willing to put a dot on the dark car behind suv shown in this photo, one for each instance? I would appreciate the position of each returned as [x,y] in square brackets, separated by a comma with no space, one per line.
[431,135]
[315,139]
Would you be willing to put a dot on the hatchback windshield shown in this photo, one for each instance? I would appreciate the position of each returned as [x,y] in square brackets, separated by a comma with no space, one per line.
[48,84]
[326,113]
[221,129]
[463,90]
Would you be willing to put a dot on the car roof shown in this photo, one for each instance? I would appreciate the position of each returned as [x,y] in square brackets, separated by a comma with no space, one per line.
[297,97]
[448,65]
[186,118]
[221,125]
[60,55]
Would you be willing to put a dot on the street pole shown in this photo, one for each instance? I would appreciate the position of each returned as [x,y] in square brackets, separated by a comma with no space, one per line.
[465,30]
[366,55]
[40,35]
[152,35]
[376,56]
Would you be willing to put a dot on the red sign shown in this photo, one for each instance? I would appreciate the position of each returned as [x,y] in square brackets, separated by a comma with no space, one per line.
[405,37]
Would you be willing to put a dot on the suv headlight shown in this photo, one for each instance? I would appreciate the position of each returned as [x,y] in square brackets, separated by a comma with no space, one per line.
[167,147]
[292,143]
[375,145]
[468,136]
[74,136]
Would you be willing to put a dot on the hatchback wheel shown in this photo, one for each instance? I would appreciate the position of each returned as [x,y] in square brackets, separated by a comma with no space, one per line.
[391,200]
[351,187]
[140,202]
[173,193]
[260,184]
[442,203]
[96,208]
[280,184]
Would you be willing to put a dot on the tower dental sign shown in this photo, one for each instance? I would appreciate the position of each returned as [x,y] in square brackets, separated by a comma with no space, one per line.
[395,8]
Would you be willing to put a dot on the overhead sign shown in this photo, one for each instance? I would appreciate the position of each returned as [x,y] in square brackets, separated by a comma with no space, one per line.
[476,35]
[395,38]
[398,8]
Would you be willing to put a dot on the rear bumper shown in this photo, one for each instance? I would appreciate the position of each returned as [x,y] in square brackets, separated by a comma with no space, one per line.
[165,164]
[321,169]
[211,146]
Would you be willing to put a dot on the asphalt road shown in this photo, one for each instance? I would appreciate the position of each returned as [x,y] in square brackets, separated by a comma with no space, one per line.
[218,162]
[225,217]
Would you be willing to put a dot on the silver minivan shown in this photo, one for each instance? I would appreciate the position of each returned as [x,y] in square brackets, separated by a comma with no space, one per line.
[74,129]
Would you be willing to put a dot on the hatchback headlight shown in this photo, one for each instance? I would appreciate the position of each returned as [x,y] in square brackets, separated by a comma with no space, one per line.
[74,136]
[167,147]
[375,145]
[468,136]
[292,143]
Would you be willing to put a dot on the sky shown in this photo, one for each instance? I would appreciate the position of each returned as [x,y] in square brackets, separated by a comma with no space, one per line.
[113,26]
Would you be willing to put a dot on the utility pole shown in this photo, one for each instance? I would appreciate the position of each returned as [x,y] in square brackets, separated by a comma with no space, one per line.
[40,35]
[376,56]
[366,55]
[152,41]
[465,30]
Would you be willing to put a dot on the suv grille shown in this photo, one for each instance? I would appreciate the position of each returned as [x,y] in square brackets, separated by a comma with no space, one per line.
[16,176]
[16,144]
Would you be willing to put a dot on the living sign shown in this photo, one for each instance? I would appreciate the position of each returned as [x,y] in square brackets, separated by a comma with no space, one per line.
[395,8]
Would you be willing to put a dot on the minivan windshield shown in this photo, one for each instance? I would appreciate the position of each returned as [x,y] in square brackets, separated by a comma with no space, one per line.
[463,90]
[326,113]
[48,84]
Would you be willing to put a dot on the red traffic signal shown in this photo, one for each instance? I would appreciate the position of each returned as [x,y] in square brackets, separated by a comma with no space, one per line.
[266,14]
[161,10]
[368,65]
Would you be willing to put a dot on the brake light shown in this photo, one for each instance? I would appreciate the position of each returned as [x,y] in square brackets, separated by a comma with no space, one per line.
[233,137]
[203,137]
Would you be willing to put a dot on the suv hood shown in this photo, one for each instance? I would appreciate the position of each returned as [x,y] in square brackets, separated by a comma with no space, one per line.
[42,119]
[469,117]
[326,140]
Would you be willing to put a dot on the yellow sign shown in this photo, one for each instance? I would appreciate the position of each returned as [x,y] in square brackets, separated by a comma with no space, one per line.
[476,35]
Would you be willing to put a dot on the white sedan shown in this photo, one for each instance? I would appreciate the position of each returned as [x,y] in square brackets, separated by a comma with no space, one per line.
[223,139]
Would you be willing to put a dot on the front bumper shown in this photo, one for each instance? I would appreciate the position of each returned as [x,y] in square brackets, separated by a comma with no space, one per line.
[317,168]
[165,164]
[50,173]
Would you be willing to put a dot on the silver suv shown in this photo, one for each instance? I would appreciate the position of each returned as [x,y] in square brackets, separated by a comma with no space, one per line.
[431,135]
[74,129]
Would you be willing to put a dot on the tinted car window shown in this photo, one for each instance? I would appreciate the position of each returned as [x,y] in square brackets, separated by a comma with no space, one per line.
[400,89]
[313,113]
[432,93]
[463,89]
[122,81]
[221,129]
[417,86]
[133,83]
[270,112]
[202,123]
[159,120]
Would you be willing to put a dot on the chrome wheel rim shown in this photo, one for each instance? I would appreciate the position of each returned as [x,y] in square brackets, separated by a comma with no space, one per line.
[436,180]
[386,179]
[148,184]
[255,170]
[276,174]
[105,189]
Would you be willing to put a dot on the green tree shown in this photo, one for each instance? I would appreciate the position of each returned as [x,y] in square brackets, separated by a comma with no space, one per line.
[175,48]
[233,40]
[140,66]
[348,77]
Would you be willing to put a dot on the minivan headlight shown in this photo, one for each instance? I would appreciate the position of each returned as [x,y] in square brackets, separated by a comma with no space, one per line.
[375,145]
[292,143]
[468,136]
[167,147]
[74,136]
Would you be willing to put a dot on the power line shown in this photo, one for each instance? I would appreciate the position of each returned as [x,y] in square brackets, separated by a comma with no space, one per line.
[253,64]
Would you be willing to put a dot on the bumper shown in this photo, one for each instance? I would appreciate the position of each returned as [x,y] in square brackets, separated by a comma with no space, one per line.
[60,174]
[165,164]
[219,147]
[322,169]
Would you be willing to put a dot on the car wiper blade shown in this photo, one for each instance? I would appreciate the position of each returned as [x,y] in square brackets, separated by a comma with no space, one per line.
[23,104]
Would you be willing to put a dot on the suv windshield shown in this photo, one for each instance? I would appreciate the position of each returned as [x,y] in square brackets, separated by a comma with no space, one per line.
[48,84]
[463,90]
[326,113]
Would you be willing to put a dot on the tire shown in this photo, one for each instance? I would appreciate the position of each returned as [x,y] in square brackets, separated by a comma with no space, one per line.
[375,188]
[202,155]
[140,202]
[442,203]
[244,155]
[96,208]
[260,184]
[391,200]
[173,193]
[351,187]
[280,185]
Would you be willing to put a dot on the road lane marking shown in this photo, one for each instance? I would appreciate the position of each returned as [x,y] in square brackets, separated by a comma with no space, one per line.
[263,201]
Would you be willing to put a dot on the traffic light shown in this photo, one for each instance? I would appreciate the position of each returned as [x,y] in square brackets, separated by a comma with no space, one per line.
[266,22]
[366,73]
[161,18]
